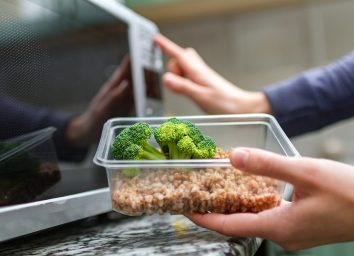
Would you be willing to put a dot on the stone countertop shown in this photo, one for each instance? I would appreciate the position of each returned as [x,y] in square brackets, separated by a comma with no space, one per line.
[148,235]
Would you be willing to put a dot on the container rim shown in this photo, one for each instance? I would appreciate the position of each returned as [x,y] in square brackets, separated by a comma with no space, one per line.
[281,137]
[32,139]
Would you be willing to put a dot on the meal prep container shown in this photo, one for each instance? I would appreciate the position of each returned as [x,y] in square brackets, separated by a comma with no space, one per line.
[196,185]
[28,166]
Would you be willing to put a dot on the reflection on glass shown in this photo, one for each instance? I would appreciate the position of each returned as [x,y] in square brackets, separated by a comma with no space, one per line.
[28,167]
[55,55]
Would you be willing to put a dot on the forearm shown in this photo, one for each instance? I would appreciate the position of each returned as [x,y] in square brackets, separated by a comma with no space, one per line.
[18,118]
[314,99]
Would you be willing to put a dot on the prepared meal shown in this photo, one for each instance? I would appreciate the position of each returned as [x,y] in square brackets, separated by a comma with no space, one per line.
[181,165]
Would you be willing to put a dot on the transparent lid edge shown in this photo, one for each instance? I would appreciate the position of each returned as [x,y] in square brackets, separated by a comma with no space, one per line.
[39,136]
[283,138]
[268,119]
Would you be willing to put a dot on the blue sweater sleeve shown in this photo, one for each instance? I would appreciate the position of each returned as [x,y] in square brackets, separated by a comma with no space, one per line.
[18,118]
[315,98]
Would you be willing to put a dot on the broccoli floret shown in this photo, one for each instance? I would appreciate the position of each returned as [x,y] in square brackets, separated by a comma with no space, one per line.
[196,135]
[132,144]
[186,147]
[205,148]
[181,139]
[168,135]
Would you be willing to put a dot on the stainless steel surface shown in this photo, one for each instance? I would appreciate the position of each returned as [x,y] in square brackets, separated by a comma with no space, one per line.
[28,218]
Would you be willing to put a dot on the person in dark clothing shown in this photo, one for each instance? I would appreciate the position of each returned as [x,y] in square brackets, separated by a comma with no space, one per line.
[74,132]
[323,201]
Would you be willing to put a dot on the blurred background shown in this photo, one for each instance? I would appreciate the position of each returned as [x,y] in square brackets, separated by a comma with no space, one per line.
[254,43]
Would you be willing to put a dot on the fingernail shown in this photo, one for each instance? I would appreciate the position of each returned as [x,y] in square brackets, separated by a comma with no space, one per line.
[239,157]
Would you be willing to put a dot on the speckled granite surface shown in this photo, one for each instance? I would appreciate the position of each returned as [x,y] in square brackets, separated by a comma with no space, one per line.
[153,235]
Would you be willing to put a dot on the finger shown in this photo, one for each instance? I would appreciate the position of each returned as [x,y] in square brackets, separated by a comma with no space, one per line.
[239,224]
[182,56]
[284,202]
[167,46]
[261,162]
[122,89]
[183,86]
[114,96]
[122,72]
[264,224]
[188,59]
[174,67]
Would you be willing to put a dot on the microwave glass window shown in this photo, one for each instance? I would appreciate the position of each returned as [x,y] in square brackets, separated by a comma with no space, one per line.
[55,55]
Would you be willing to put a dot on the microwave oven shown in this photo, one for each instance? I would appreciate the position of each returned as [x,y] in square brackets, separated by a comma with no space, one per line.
[56,54]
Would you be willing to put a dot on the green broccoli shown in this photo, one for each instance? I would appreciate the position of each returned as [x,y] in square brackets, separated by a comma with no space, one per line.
[132,144]
[181,139]
[205,148]
[186,148]
[131,172]
[168,134]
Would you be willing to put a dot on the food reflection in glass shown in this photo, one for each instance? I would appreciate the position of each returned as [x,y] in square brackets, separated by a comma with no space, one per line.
[25,171]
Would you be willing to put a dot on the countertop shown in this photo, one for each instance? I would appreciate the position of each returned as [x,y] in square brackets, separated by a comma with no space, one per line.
[147,235]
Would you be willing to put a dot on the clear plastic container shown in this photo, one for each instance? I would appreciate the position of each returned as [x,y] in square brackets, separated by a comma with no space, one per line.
[196,185]
[28,166]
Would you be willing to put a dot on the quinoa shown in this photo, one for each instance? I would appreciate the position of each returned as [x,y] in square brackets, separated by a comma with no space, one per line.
[179,191]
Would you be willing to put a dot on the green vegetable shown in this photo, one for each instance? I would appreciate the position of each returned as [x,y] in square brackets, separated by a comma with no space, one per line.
[178,139]
[181,139]
[132,144]
[131,172]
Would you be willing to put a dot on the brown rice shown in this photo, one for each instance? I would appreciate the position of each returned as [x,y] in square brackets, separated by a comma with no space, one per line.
[217,189]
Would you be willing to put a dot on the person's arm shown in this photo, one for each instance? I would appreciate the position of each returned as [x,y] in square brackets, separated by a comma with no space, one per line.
[315,98]
[114,99]
[75,133]
[321,212]
[304,103]
[190,76]
[18,118]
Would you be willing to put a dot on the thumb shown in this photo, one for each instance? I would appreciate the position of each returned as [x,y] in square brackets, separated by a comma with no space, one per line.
[265,163]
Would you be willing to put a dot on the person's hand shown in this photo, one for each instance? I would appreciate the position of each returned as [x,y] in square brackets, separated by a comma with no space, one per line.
[190,76]
[113,99]
[321,212]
